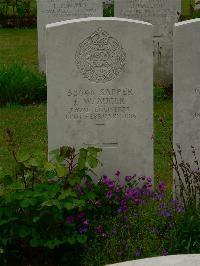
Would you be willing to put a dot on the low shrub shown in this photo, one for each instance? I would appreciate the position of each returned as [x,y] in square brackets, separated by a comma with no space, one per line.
[186,234]
[20,85]
[53,213]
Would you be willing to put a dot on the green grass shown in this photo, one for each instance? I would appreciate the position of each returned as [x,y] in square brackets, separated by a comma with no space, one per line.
[30,128]
[163,125]
[19,45]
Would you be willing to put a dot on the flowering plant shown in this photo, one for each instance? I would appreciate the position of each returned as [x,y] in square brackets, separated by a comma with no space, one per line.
[56,204]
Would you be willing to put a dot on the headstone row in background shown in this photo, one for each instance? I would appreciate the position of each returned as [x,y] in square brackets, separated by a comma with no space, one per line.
[162,14]
[50,11]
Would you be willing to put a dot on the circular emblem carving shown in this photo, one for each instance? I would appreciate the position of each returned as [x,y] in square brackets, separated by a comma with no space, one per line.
[100,58]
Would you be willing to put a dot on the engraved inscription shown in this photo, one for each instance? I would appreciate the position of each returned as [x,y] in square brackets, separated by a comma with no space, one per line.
[103,104]
[161,13]
[62,9]
[100,57]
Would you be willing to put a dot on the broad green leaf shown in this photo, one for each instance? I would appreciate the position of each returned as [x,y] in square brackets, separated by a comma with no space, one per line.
[51,203]
[67,193]
[61,170]
[92,161]
[68,205]
[82,159]
[49,166]
[35,242]
[7,221]
[24,231]
[25,203]
[33,162]
[94,151]
[52,243]
[78,203]
[23,156]
[36,219]
[81,239]
[71,240]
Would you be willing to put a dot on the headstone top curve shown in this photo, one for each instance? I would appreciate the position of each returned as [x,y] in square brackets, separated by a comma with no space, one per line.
[61,23]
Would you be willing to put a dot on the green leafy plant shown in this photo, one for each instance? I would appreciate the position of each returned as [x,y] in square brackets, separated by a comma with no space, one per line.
[186,233]
[20,85]
[36,202]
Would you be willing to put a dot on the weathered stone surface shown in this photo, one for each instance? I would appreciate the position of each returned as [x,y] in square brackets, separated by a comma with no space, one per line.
[187,89]
[197,4]
[49,11]
[100,90]
[177,260]
[162,14]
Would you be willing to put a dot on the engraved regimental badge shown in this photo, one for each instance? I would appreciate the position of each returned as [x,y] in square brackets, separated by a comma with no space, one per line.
[100,58]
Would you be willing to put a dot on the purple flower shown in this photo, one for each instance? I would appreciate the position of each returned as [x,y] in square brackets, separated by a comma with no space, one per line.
[165,252]
[137,201]
[160,196]
[149,179]
[129,193]
[98,203]
[83,230]
[114,232]
[117,173]
[110,183]
[132,193]
[180,209]
[126,218]
[79,189]
[161,186]
[161,205]
[119,253]
[109,194]
[138,253]
[123,208]
[118,189]
[99,229]
[166,214]
[86,222]
[81,215]
[128,178]
[70,219]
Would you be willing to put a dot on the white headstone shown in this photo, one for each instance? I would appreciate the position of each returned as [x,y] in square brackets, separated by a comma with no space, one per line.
[100,90]
[197,5]
[187,88]
[50,11]
[162,14]
[176,260]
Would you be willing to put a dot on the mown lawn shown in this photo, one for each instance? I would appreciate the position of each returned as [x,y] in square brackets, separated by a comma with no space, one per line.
[29,123]
[19,45]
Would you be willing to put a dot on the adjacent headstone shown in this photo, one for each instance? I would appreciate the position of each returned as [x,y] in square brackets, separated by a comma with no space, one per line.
[176,260]
[100,90]
[187,89]
[197,5]
[162,14]
[49,11]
